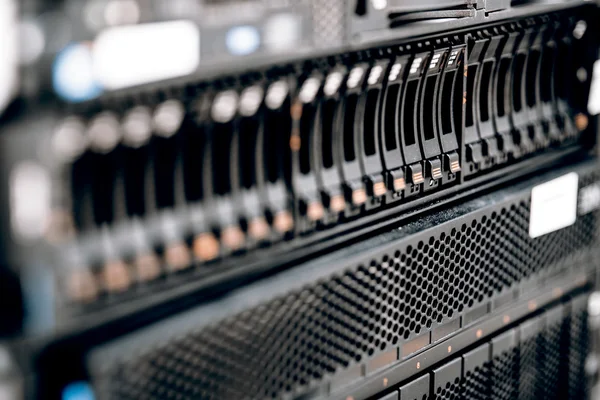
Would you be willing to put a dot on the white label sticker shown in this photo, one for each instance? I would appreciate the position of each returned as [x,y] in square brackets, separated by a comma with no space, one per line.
[594,99]
[553,205]
[136,54]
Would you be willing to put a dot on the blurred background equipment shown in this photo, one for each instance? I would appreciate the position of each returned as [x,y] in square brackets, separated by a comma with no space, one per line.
[308,199]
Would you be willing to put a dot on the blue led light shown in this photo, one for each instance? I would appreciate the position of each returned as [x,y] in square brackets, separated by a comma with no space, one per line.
[78,391]
[72,74]
[242,40]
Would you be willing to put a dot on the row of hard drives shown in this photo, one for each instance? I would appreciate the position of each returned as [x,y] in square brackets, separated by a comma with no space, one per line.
[189,176]
[316,199]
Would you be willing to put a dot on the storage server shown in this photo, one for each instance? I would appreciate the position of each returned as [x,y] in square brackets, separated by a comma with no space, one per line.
[299,199]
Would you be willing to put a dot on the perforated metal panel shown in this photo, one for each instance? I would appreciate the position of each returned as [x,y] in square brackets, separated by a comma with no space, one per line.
[578,337]
[451,391]
[329,23]
[288,344]
[447,381]
[541,358]
[555,361]
[505,375]
[527,371]
[476,383]
[531,361]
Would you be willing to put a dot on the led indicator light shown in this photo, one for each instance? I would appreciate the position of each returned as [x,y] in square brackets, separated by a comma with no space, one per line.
[242,40]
